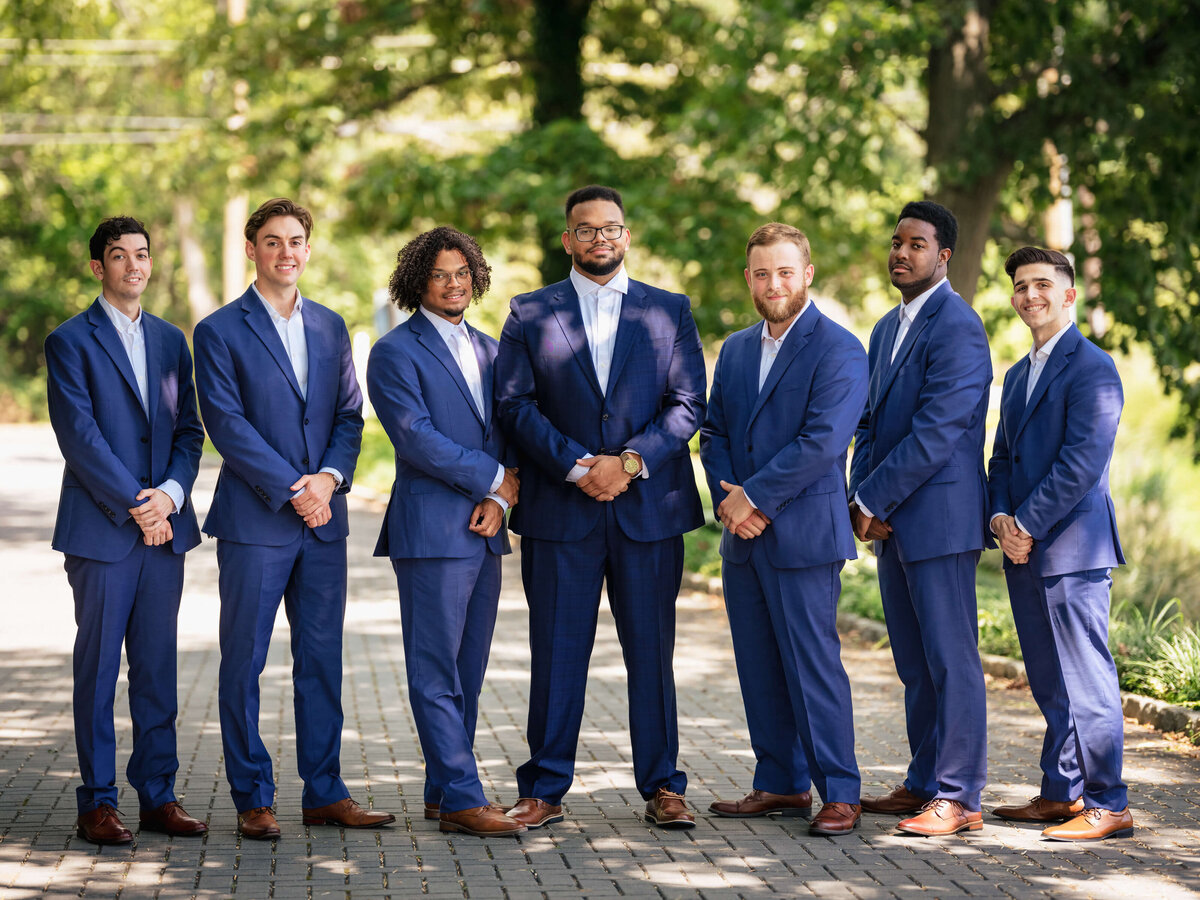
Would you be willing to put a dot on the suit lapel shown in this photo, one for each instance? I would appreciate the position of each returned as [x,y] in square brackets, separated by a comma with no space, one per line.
[429,338]
[485,373]
[317,342]
[791,347]
[883,365]
[633,305]
[153,340]
[106,334]
[1059,357]
[260,323]
[1012,401]
[565,307]
[928,310]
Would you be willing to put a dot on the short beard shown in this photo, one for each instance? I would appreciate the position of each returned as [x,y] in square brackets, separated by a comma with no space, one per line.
[600,269]
[794,305]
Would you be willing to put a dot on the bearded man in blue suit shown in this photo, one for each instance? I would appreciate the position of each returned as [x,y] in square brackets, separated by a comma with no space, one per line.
[1053,515]
[124,413]
[281,403]
[787,395]
[600,384]
[430,383]
[920,493]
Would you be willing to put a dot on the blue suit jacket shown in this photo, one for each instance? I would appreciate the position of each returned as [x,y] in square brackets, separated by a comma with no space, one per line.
[112,448]
[918,452]
[446,452]
[267,433]
[786,444]
[1050,461]
[552,408]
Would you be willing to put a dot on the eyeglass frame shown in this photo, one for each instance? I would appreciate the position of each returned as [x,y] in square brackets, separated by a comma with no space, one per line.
[440,278]
[598,231]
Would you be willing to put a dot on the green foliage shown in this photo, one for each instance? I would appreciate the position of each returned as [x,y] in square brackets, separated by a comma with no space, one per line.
[1174,671]
[1135,635]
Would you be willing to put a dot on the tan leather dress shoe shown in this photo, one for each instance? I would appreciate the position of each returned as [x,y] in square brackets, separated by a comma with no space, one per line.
[347,814]
[258,824]
[764,803]
[481,821]
[534,813]
[836,818]
[432,811]
[1093,824]
[942,817]
[102,825]
[666,809]
[1039,809]
[172,819]
[899,800]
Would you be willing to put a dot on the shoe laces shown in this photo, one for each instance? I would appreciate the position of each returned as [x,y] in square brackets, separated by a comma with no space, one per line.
[1094,814]
[664,794]
[936,804]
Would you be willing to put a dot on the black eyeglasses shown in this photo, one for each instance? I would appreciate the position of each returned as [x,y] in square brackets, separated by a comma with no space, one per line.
[588,234]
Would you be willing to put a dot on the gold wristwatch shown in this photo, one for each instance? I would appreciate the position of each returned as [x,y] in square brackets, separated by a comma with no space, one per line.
[631,463]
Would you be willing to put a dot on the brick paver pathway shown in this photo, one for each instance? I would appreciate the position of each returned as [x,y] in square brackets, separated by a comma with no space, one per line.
[603,849]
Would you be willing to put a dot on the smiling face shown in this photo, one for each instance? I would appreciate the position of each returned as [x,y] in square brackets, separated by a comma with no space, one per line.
[448,291]
[124,271]
[280,252]
[778,276]
[916,262]
[599,258]
[1042,297]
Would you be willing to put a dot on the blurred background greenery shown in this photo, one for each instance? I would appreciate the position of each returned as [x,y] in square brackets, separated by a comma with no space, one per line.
[1070,124]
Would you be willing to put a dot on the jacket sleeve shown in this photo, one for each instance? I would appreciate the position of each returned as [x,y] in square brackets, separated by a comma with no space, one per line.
[345,438]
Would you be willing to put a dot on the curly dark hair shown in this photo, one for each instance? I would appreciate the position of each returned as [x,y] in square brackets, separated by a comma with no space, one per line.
[414,264]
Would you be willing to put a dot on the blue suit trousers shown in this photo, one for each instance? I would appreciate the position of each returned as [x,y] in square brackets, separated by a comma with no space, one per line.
[933,626]
[562,581]
[310,577]
[1062,622]
[448,613]
[134,602]
[795,690]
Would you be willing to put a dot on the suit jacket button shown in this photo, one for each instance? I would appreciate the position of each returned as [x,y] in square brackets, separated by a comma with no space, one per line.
[145,480]
[1016,459]
[306,421]
[604,418]
[890,507]
[304,462]
[145,440]
[749,448]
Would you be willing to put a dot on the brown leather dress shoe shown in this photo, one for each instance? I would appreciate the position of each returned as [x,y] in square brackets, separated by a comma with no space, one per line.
[666,809]
[102,825]
[258,824]
[1093,824]
[764,803]
[836,818]
[481,821]
[172,819]
[347,814]
[941,817]
[899,800]
[534,813]
[432,811]
[1039,809]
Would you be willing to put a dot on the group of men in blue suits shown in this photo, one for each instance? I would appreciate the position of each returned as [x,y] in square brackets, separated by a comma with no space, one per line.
[582,412]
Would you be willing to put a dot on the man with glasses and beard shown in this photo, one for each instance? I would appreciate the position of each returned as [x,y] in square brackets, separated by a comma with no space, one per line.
[787,395]
[600,384]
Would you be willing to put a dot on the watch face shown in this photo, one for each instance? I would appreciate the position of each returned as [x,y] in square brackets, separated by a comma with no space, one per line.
[631,466]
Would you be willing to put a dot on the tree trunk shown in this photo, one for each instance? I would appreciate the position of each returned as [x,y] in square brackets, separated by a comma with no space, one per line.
[558,29]
[959,92]
[195,269]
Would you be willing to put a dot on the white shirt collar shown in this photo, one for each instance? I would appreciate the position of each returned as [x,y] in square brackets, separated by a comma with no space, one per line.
[910,309]
[1038,355]
[275,316]
[766,333]
[585,287]
[121,322]
[445,327]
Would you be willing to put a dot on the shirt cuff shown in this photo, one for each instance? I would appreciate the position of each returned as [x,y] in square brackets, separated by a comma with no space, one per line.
[497,481]
[748,500]
[578,471]
[1021,528]
[862,507]
[174,490]
[500,500]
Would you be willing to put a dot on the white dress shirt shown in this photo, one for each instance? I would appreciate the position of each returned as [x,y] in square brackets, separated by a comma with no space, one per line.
[295,345]
[908,314]
[133,339]
[458,341]
[600,305]
[1038,357]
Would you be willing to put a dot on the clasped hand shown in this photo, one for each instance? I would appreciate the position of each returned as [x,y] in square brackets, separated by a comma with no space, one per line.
[153,516]
[739,515]
[313,505]
[868,528]
[606,477]
[1015,543]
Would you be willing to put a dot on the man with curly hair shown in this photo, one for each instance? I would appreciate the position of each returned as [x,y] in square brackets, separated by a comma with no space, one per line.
[430,381]
[600,382]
